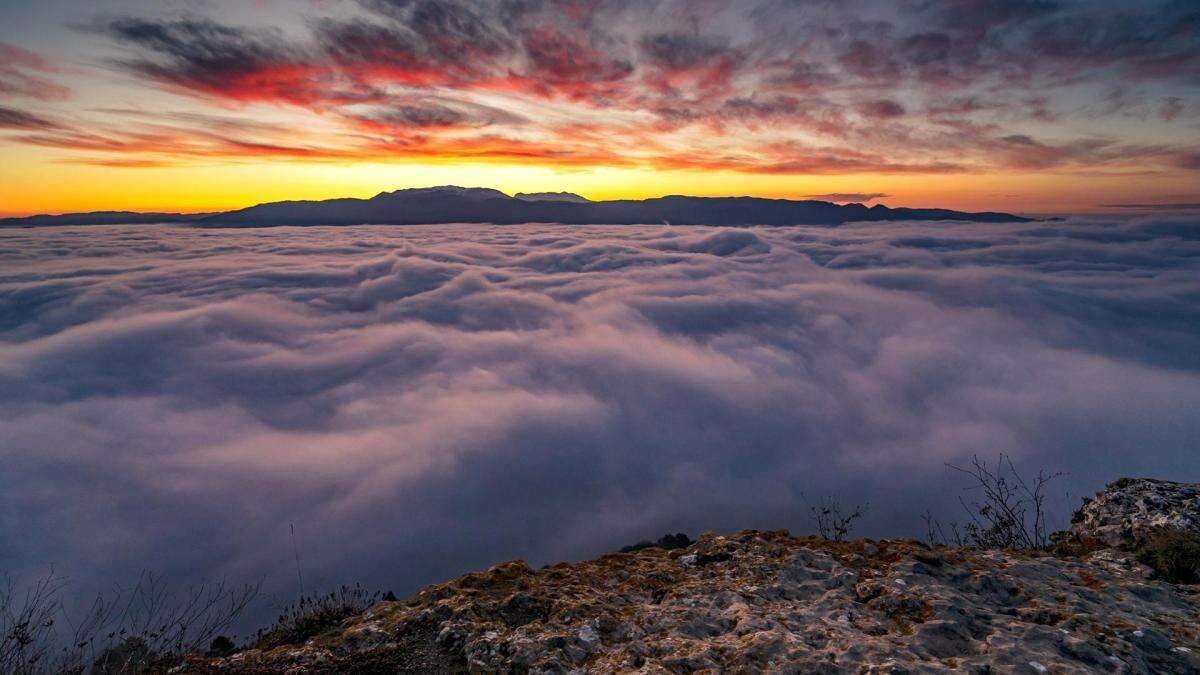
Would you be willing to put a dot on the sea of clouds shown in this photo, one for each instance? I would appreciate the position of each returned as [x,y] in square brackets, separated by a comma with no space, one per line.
[422,401]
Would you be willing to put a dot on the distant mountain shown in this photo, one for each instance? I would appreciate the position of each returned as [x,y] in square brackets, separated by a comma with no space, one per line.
[104,218]
[551,197]
[452,204]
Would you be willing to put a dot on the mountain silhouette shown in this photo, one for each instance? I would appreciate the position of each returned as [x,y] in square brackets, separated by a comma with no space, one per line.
[451,204]
[551,197]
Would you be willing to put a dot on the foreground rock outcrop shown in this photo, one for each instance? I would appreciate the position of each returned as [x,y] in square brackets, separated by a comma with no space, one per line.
[1132,510]
[762,601]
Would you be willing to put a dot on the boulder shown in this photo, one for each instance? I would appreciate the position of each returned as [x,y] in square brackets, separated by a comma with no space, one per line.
[1130,511]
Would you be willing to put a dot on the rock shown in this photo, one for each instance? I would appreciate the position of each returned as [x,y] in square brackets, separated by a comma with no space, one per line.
[770,602]
[588,635]
[1131,510]
[521,608]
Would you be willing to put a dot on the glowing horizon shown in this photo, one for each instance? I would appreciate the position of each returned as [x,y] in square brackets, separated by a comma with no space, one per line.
[1025,107]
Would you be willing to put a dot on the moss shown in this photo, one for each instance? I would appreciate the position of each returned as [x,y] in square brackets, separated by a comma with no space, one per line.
[1174,555]
[1086,578]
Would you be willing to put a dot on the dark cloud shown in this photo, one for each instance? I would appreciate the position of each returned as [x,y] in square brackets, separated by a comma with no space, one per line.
[1157,44]
[799,75]
[868,61]
[1025,152]
[11,118]
[379,54]
[212,59]
[1188,160]
[881,109]
[566,61]
[432,113]
[924,49]
[681,51]
[455,397]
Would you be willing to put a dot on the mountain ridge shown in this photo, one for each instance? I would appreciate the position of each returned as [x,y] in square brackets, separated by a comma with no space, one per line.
[551,197]
[453,204]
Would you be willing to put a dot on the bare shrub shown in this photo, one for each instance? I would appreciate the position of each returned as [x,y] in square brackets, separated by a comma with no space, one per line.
[832,523]
[313,615]
[1008,512]
[27,624]
[154,623]
[127,630]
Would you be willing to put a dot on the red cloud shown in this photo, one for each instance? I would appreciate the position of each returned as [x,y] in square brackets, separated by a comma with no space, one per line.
[713,86]
[22,73]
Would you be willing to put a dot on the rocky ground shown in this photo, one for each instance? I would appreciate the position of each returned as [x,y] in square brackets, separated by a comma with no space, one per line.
[768,602]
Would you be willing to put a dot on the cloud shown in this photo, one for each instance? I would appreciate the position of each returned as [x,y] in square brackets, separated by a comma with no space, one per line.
[24,74]
[668,83]
[11,118]
[207,58]
[420,401]
[1024,152]
[881,109]
[685,51]
[1174,206]
[1172,107]
[848,196]
[1188,160]
[433,113]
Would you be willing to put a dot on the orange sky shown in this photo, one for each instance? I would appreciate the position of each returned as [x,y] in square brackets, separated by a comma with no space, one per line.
[51,187]
[959,106]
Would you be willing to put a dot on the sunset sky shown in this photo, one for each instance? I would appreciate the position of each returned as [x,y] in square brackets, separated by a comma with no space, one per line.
[1031,106]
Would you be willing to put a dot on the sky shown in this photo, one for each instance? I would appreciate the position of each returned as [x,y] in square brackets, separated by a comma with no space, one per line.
[1019,105]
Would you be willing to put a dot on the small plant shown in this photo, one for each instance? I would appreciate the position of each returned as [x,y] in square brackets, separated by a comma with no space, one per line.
[831,522]
[132,655]
[1174,555]
[667,541]
[1010,512]
[1068,544]
[937,535]
[221,646]
[313,615]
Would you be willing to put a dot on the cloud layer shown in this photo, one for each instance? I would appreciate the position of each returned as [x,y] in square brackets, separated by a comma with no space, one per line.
[767,86]
[420,401]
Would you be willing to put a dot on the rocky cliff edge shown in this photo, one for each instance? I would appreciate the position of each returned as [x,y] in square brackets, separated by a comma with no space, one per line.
[760,601]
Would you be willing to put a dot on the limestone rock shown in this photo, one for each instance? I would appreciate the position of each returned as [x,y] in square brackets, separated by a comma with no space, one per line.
[1130,510]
